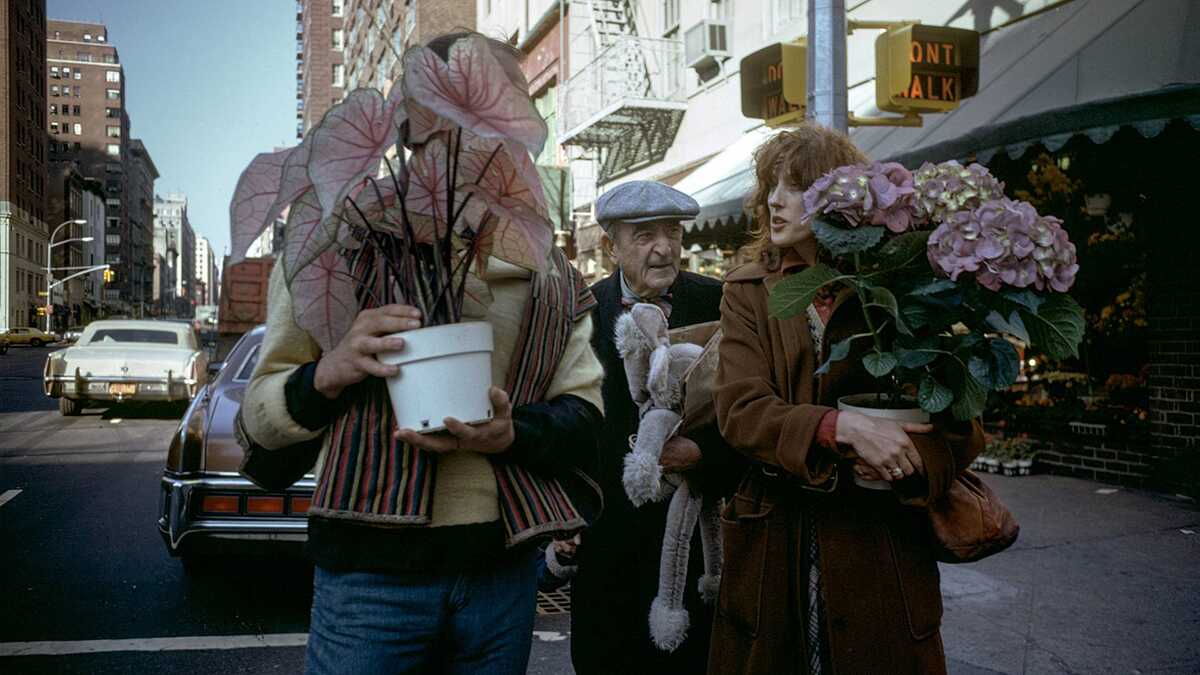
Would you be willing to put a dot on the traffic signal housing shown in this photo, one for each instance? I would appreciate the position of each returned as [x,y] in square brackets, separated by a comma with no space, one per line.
[925,69]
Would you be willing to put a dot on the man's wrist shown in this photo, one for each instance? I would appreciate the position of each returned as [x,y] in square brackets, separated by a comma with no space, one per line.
[321,385]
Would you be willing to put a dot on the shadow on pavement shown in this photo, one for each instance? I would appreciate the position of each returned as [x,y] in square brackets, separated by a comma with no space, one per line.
[140,411]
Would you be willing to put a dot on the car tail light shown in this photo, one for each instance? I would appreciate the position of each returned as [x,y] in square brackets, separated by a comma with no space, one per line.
[219,504]
[264,505]
[300,505]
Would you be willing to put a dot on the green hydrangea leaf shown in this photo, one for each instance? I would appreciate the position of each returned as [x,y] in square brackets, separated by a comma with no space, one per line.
[1057,326]
[843,240]
[792,296]
[933,396]
[879,364]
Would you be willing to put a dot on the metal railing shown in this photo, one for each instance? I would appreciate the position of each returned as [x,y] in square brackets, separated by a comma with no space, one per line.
[632,68]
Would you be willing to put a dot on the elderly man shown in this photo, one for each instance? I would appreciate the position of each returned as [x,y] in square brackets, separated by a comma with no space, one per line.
[619,556]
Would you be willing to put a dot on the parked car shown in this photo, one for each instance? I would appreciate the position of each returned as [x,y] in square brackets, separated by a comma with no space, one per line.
[34,337]
[205,507]
[126,360]
[72,335]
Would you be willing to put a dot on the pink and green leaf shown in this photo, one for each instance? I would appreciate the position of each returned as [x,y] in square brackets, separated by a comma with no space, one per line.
[256,191]
[306,236]
[348,145]
[323,297]
[472,89]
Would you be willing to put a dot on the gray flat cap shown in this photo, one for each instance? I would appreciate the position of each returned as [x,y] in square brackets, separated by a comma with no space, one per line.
[641,201]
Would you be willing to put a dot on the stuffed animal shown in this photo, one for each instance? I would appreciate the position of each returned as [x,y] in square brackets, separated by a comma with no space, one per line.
[657,371]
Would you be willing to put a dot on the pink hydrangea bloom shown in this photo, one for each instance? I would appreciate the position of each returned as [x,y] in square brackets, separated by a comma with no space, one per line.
[949,187]
[879,194]
[1005,243]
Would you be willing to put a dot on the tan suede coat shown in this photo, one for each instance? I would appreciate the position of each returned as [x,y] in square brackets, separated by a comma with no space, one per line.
[879,580]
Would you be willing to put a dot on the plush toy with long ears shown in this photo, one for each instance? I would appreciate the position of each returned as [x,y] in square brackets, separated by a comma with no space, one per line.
[657,370]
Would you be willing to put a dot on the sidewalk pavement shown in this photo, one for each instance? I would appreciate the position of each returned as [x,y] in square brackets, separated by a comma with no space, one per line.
[1102,580]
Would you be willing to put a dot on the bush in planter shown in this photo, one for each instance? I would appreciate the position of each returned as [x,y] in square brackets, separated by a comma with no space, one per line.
[943,265]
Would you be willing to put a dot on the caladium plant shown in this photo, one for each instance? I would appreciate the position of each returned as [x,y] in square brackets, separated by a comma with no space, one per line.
[433,179]
[944,267]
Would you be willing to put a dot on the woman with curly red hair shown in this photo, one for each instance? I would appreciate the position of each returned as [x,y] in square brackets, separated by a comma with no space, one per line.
[821,576]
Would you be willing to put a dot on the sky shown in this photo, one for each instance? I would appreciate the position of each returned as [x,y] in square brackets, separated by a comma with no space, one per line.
[208,84]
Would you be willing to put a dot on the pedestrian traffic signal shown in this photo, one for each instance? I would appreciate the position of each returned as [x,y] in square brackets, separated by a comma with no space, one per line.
[773,83]
[925,69]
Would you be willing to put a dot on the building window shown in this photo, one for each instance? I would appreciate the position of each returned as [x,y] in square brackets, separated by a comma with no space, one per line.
[78,129]
[113,132]
[112,167]
[86,57]
[54,90]
[54,127]
[112,94]
[339,39]
[78,92]
[53,108]
[112,112]
[112,202]
[670,15]
[66,72]
[78,74]
[338,7]
[77,113]
[112,239]
[114,150]
[339,75]
[100,38]
[54,72]
[112,76]
[87,37]
[110,58]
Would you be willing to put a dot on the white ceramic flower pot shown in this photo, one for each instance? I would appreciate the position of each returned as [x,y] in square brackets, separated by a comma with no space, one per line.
[445,371]
[863,403]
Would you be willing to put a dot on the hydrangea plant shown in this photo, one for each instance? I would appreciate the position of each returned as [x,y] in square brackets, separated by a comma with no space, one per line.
[946,269]
[435,177]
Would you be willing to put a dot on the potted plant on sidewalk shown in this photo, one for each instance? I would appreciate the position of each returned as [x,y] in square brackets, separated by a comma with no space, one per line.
[403,199]
[944,269]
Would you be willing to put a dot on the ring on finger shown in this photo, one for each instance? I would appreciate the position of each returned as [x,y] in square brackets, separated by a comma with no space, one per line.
[896,471]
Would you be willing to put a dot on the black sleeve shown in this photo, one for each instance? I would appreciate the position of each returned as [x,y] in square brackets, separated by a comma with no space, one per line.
[556,436]
[721,467]
[307,406]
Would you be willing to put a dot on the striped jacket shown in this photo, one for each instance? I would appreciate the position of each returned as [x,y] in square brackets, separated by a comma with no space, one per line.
[364,475]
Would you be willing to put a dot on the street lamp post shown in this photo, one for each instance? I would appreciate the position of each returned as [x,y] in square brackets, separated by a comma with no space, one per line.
[49,258]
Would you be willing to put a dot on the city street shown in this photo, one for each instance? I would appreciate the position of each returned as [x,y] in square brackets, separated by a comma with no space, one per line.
[83,563]
[1102,579]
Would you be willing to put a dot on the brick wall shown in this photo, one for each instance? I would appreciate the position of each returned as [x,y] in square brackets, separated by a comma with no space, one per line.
[1174,312]
[438,17]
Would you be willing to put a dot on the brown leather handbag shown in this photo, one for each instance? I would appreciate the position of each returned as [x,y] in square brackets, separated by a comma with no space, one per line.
[970,522]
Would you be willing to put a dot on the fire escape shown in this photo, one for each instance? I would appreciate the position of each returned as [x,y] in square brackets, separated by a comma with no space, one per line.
[624,101]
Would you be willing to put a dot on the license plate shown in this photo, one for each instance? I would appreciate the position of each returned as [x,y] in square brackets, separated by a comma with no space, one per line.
[122,389]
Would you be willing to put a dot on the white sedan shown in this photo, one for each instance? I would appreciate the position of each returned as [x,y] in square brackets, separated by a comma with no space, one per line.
[126,360]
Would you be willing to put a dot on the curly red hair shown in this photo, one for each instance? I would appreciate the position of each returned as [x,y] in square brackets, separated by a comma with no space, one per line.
[805,153]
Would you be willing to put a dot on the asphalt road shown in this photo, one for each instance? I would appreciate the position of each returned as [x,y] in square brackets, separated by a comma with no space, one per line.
[81,561]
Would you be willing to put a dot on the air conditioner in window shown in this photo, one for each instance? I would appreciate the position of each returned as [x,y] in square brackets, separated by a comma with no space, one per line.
[705,45]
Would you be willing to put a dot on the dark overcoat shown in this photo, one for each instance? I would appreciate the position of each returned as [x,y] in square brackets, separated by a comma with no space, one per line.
[619,556]
[879,578]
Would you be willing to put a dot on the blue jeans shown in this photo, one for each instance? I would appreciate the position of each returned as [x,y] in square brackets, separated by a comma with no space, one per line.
[469,622]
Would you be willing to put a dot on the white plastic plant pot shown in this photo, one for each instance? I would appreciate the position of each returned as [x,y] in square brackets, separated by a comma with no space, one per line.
[1024,467]
[445,371]
[865,404]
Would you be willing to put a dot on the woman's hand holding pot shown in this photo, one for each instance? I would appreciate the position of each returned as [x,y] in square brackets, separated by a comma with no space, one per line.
[882,444]
[353,359]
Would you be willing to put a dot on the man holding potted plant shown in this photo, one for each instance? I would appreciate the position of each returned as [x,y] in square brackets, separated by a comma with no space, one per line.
[618,572]
[424,542]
